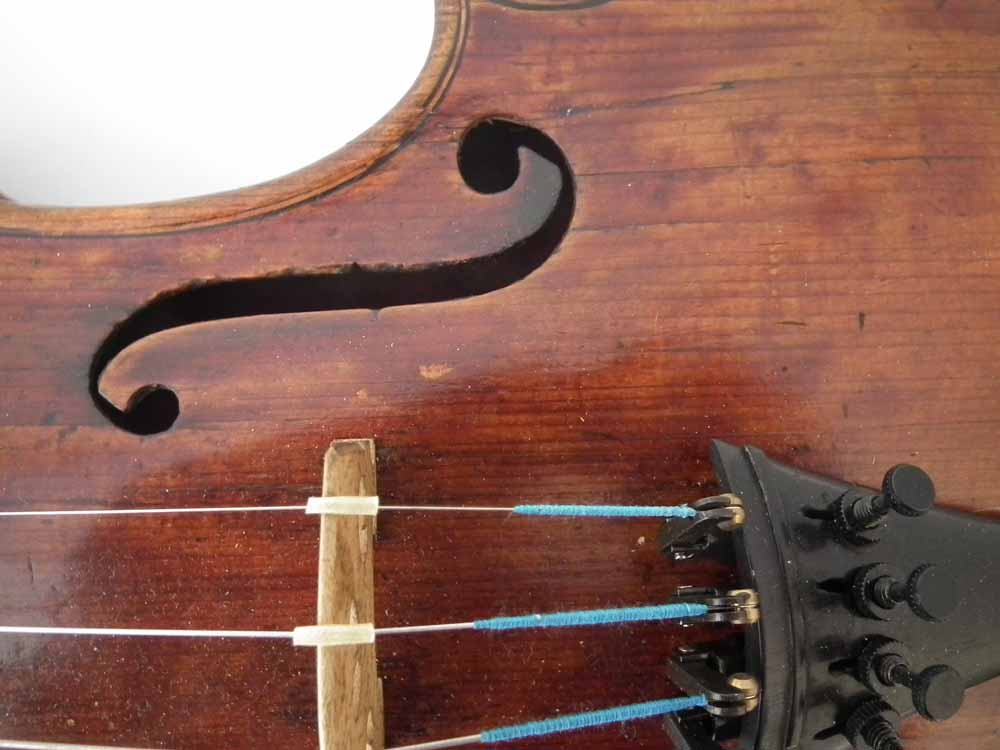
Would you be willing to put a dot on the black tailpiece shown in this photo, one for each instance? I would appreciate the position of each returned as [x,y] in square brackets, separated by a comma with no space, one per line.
[873,606]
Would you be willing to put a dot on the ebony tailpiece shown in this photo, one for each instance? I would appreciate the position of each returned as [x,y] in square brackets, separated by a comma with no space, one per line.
[874,606]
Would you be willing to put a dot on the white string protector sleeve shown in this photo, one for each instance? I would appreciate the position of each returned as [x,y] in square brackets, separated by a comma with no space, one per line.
[333,635]
[342,506]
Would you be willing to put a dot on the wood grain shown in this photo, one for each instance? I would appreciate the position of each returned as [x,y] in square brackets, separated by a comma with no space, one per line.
[785,234]
[349,691]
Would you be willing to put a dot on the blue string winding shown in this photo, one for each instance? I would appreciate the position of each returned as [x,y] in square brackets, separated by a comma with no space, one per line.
[593,617]
[593,719]
[608,511]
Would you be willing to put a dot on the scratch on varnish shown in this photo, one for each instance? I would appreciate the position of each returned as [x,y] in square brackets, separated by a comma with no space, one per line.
[435,371]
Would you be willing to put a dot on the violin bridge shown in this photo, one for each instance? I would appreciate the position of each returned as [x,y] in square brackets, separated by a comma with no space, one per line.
[349,691]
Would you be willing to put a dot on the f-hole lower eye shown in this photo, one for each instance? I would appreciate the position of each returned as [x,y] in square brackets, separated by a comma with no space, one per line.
[154,409]
[489,159]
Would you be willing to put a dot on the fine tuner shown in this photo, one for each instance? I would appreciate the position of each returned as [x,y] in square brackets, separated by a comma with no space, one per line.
[821,608]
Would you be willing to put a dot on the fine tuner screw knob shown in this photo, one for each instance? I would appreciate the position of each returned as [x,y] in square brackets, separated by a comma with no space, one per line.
[937,692]
[906,489]
[876,723]
[929,591]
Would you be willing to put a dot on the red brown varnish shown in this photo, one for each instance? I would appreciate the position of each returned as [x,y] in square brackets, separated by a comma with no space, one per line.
[778,226]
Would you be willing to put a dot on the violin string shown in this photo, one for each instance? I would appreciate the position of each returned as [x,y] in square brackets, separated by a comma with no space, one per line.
[147,511]
[469,739]
[551,510]
[542,728]
[29,745]
[145,632]
[338,635]
[570,723]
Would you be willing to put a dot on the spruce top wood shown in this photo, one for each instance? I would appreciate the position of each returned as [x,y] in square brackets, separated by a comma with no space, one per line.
[779,228]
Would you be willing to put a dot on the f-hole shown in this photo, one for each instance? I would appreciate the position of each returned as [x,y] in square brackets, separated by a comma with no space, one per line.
[488,162]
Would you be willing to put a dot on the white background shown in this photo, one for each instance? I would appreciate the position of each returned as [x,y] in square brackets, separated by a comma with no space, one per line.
[114,102]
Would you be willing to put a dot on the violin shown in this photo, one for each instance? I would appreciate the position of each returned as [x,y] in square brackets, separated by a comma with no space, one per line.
[632,383]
